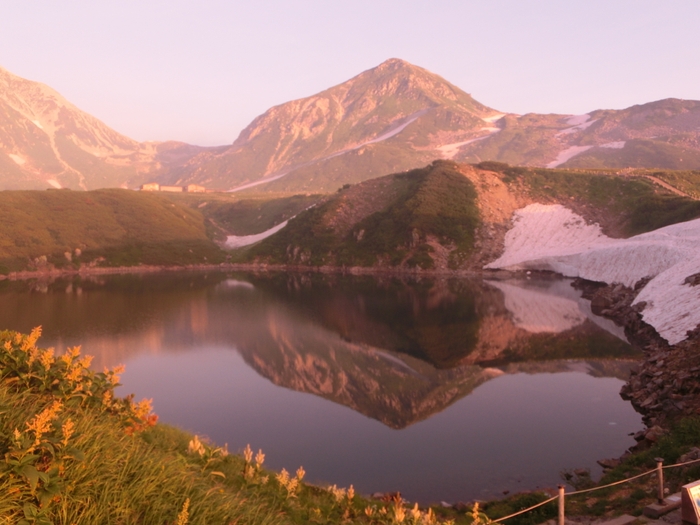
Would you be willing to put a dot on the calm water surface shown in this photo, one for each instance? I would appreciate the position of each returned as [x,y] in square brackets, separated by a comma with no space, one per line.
[440,389]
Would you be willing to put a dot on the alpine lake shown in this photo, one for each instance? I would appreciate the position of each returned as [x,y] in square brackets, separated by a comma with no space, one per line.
[441,389]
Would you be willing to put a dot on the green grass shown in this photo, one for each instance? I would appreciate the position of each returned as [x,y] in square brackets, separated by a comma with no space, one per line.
[109,227]
[434,201]
[686,181]
[636,205]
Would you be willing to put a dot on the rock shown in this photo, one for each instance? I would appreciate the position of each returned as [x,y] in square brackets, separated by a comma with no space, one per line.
[654,433]
[609,463]
[639,436]
[691,455]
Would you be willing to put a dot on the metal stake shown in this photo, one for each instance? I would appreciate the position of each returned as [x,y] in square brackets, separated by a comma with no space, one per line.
[660,473]
[561,504]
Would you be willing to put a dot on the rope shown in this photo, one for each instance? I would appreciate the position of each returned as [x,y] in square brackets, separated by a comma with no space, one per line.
[525,510]
[681,464]
[611,484]
[594,488]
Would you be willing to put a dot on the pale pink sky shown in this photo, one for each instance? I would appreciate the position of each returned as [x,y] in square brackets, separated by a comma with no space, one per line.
[200,72]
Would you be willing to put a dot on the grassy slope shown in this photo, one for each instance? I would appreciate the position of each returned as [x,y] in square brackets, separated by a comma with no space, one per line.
[624,205]
[686,181]
[124,227]
[439,201]
[433,201]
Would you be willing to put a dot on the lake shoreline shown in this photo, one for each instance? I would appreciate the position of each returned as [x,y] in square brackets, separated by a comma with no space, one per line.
[250,267]
[610,301]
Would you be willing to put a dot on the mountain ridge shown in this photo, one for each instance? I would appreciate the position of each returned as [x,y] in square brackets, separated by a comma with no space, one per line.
[46,141]
[390,118]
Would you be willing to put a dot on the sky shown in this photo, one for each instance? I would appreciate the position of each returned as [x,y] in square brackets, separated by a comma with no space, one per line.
[201,71]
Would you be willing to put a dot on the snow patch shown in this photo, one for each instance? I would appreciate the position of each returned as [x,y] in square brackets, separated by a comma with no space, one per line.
[614,145]
[37,124]
[567,155]
[553,238]
[235,241]
[493,118]
[54,183]
[396,130]
[577,120]
[450,150]
[18,159]
[577,123]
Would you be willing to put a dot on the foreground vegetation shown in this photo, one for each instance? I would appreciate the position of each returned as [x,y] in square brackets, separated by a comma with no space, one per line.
[72,453]
[67,229]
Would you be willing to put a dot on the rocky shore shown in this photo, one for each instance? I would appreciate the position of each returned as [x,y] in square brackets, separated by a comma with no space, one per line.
[666,385]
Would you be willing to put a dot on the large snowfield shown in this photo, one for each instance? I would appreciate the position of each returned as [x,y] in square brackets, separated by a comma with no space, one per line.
[552,237]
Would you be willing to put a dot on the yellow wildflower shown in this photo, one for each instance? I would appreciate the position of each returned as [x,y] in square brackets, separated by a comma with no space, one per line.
[67,430]
[41,423]
[46,358]
[248,453]
[184,515]
[259,458]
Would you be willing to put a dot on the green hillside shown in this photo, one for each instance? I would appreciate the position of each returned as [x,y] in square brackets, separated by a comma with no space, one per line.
[429,218]
[103,228]
[622,205]
[391,221]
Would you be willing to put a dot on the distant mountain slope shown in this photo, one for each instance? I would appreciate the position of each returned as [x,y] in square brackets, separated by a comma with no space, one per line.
[394,114]
[662,134]
[398,116]
[394,117]
[45,141]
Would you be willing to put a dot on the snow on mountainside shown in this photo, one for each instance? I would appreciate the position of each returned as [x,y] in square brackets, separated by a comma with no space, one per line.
[552,237]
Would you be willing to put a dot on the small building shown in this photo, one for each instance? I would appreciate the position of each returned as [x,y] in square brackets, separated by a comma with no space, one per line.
[150,186]
[173,189]
[195,188]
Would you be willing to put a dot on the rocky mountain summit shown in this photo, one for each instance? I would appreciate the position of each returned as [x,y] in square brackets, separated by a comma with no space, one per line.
[387,119]
[398,116]
[382,120]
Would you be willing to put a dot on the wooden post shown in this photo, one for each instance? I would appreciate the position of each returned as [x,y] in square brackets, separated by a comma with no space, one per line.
[561,504]
[660,474]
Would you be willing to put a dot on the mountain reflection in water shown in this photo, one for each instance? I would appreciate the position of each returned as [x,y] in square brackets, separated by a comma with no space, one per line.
[397,351]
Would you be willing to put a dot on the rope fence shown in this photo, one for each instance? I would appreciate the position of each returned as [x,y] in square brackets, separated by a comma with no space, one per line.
[562,494]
